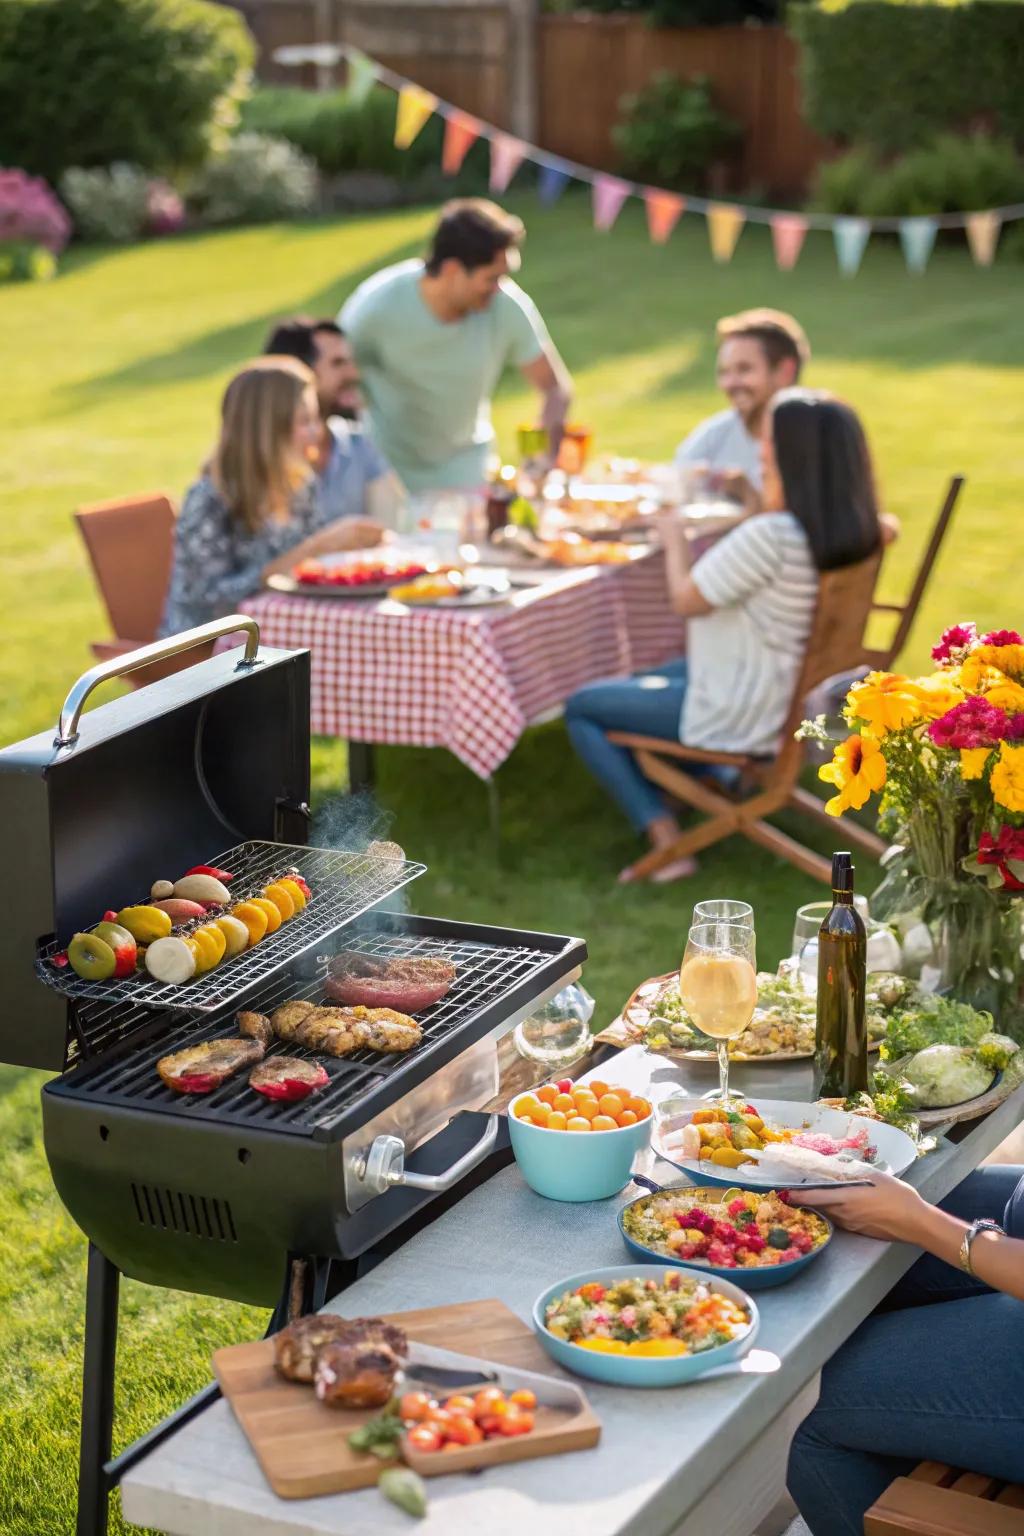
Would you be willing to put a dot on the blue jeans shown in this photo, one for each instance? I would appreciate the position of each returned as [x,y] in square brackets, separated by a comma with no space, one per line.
[937,1374]
[650,704]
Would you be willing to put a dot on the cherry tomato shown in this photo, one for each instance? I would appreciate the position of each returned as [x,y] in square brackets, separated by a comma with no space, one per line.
[565,1103]
[640,1108]
[451,1445]
[556,1121]
[459,1404]
[415,1407]
[464,1431]
[439,1419]
[546,1095]
[604,1123]
[610,1104]
[577,1123]
[564,1085]
[517,1423]
[596,1086]
[423,1438]
[628,1117]
[488,1400]
[490,1423]
[523,1398]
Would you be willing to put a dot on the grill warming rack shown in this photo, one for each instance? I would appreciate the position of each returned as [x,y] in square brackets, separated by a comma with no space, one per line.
[344,885]
[127,1078]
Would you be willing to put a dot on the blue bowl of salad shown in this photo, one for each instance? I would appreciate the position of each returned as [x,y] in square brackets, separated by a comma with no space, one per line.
[751,1236]
[645,1325]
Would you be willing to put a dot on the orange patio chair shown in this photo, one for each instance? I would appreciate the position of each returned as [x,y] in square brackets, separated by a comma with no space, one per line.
[936,1500]
[836,645]
[130,543]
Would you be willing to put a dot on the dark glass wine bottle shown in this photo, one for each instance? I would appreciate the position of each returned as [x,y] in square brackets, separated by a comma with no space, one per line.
[841,1043]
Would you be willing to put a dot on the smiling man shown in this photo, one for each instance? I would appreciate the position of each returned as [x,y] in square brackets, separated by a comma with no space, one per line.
[759,352]
[432,339]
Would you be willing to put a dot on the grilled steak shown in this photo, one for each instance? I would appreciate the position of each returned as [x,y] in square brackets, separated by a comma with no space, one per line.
[202,1068]
[288,1078]
[355,1375]
[406,982]
[296,1346]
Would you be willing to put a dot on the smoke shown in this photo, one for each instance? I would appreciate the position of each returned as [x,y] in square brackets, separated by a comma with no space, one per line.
[349,824]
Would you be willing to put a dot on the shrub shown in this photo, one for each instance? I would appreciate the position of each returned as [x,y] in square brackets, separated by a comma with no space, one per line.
[672,132]
[254,179]
[92,82]
[339,134]
[31,214]
[110,204]
[892,75]
[21,261]
[951,175]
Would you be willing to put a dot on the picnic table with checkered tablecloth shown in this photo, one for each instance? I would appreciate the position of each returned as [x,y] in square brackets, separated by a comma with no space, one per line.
[472,680]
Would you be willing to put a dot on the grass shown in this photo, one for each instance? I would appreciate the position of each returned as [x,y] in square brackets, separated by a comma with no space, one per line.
[112,376]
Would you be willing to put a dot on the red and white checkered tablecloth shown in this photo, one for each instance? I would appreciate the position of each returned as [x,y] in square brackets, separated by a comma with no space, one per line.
[472,681]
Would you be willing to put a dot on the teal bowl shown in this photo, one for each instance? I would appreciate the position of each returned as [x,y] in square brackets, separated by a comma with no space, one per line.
[753,1279]
[636,1370]
[577,1165]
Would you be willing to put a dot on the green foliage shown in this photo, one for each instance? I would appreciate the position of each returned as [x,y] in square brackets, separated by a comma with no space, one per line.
[91,82]
[892,74]
[683,13]
[339,134]
[671,132]
[110,203]
[953,174]
[256,178]
[23,262]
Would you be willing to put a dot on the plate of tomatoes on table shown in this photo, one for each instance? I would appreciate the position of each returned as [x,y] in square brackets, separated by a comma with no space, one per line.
[354,573]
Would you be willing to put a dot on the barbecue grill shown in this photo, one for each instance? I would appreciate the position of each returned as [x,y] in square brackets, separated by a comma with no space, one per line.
[230,1194]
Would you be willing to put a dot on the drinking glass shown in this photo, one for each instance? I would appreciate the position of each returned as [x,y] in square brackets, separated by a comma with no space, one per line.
[725,912]
[718,986]
[558,1032]
[574,449]
[532,442]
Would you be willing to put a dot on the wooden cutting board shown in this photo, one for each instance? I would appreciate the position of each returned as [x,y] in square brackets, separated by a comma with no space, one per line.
[301,1444]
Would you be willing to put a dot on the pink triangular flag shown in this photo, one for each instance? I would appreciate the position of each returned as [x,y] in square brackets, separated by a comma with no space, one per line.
[788,231]
[663,213]
[460,131]
[983,236]
[609,195]
[507,155]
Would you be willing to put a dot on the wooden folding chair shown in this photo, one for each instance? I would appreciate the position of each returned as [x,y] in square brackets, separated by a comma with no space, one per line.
[882,660]
[936,1500]
[130,543]
[836,644]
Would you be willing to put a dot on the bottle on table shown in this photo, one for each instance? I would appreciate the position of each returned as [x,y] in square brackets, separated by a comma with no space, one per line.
[841,1042]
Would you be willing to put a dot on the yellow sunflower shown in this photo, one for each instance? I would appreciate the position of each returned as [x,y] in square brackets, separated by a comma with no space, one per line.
[973,760]
[1008,777]
[1008,658]
[857,770]
[885,701]
[1008,695]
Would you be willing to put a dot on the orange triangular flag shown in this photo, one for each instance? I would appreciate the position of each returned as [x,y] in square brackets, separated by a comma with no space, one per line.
[983,236]
[460,131]
[415,106]
[725,221]
[663,212]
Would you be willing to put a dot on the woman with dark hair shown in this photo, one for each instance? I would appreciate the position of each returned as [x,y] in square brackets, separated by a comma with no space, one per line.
[750,604]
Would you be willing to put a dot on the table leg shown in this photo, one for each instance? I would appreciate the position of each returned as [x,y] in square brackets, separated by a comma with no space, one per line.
[362,766]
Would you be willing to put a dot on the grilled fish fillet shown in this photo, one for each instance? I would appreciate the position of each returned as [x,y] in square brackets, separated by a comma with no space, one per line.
[202,1068]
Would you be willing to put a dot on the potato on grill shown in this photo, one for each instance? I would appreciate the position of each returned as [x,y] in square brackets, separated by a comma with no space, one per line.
[204,1067]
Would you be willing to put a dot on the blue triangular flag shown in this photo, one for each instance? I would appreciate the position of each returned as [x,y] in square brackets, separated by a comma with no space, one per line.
[851,236]
[917,236]
[551,182]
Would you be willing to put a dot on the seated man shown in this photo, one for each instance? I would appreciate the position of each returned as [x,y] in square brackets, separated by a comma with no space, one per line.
[432,339]
[759,352]
[353,478]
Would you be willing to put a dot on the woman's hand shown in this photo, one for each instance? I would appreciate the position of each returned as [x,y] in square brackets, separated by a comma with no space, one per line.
[348,533]
[889,1209]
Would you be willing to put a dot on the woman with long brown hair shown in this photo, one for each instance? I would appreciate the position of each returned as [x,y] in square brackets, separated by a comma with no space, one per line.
[254,511]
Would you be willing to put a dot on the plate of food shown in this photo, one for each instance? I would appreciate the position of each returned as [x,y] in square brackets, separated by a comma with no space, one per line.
[453,588]
[641,1325]
[782,1028]
[776,1142]
[754,1236]
[354,573]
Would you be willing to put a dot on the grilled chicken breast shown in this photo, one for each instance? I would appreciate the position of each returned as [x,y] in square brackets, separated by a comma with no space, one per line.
[256,1026]
[202,1068]
[338,1031]
[384,1029]
[286,1019]
[329,1030]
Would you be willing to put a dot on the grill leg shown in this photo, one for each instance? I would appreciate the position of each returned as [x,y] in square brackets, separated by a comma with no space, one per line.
[101,1293]
[362,766]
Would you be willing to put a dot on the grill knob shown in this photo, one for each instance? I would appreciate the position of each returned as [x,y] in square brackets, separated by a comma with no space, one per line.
[384,1165]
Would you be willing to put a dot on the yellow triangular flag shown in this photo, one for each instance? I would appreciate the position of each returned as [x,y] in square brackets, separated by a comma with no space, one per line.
[415,106]
[725,221]
[983,236]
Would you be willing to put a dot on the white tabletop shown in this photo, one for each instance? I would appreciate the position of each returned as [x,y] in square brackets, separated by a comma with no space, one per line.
[660,1453]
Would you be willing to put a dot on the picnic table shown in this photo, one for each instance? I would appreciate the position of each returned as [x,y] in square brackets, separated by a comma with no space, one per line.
[706,1457]
[473,680]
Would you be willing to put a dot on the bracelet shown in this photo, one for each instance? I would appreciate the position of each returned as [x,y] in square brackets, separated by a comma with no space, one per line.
[968,1241]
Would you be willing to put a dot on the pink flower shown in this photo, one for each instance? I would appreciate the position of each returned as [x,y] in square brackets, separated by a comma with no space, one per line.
[974,723]
[1015,728]
[1001,637]
[956,638]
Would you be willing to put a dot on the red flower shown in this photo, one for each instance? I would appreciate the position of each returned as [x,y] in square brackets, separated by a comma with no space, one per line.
[974,723]
[1015,728]
[1001,637]
[997,850]
[956,638]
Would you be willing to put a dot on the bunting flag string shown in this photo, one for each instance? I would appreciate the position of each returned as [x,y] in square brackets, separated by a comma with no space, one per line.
[664,209]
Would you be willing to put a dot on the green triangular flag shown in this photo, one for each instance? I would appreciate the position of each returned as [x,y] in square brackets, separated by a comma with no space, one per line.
[362,76]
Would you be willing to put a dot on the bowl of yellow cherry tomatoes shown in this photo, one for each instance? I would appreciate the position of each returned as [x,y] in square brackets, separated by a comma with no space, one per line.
[577,1141]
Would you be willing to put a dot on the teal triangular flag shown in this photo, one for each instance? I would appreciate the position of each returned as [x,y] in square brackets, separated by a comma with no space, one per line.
[362,76]
[851,236]
[917,236]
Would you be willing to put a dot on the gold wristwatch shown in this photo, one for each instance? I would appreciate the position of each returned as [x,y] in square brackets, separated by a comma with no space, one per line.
[968,1240]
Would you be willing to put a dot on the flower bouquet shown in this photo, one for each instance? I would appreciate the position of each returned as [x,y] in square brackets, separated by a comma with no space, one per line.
[946,754]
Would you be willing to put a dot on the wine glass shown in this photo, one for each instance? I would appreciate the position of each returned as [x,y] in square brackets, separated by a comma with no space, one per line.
[718,986]
[725,912]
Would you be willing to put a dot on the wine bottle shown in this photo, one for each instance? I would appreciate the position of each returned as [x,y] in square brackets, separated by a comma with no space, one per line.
[841,1043]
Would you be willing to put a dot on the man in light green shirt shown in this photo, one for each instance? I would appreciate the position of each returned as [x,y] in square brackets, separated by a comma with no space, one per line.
[432,339]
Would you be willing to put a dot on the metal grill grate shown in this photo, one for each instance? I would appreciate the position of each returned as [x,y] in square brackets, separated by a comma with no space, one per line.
[344,885]
[486,973]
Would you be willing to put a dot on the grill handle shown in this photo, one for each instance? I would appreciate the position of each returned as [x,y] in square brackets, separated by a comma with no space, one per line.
[384,1165]
[145,656]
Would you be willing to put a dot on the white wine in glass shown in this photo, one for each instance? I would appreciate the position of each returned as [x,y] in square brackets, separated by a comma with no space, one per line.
[718,986]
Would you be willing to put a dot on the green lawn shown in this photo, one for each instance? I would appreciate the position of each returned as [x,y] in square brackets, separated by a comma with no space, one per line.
[112,376]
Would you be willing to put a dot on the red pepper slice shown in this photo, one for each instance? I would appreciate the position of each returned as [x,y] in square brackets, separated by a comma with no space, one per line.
[197,1082]
[291,1089]
[303,887]
[208,869]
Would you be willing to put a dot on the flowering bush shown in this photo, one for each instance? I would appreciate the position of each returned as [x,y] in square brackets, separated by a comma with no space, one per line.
[255,179]
[946,753]
[121,203]
[30,213]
